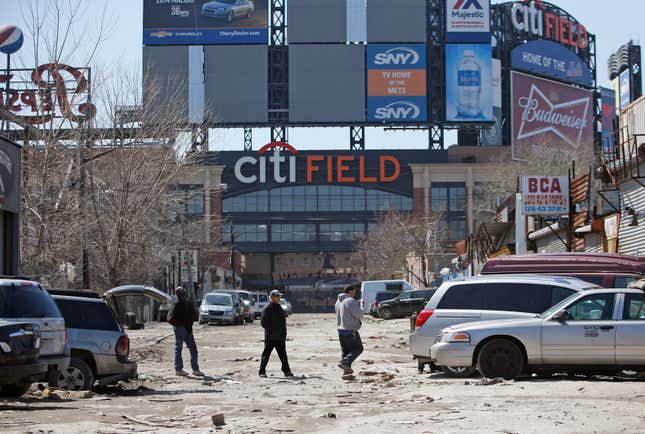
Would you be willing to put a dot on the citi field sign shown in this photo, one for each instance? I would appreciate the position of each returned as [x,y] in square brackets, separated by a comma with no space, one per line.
[538,19]
[280,163]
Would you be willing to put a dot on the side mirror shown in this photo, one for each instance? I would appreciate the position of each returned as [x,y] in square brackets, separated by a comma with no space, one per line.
[561,316]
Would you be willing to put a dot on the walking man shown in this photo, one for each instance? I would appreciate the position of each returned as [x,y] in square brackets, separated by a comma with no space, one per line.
[182,315]
[274,322]
[348,321]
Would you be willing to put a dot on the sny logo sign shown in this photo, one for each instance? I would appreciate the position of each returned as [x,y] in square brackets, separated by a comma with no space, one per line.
[399,110]
[397,56]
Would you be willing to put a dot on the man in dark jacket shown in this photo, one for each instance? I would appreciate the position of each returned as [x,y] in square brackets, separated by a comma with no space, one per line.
[274,322]
[182,315]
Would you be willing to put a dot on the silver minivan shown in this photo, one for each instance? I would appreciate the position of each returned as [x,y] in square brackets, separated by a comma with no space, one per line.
[26,301]
[485,298]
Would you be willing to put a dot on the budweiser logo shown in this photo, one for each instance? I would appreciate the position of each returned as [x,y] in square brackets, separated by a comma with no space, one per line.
[541,114]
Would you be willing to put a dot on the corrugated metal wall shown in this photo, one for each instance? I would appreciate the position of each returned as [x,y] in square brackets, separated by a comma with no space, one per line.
[593,243]
[631,239]
[551,243]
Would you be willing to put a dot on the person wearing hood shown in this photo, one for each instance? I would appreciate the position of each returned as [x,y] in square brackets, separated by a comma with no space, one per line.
[348,321]
[274,322]
[181,316]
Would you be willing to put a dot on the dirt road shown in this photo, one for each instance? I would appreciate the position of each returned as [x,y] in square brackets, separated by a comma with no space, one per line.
[387,396]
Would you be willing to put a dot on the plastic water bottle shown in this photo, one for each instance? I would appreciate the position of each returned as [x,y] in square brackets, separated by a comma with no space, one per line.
[469,82]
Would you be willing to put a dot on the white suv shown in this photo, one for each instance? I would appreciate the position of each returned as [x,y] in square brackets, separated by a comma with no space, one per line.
[484,298]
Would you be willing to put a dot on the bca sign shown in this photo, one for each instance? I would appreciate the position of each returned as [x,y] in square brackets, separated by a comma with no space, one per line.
[545,195]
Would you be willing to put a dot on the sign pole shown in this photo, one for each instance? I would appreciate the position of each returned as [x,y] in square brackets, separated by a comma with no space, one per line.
[520,227]
[6,92]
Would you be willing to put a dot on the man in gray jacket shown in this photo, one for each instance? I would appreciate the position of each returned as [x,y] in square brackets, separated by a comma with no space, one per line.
[348,322]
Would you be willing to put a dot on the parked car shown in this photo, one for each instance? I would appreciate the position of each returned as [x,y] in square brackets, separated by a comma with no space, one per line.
[286,306]
[228,9]
[238,304]
[19,353]
[593,332]
[218,307]
[24,301]
[484,298]
[249,305]
[405,304]
[606,270]
[99,345]
[370,288]
[162,315]
[380,297]
[261,300]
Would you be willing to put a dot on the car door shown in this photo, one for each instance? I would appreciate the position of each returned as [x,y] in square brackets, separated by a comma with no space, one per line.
[402,304]
[630,331]
[587,337]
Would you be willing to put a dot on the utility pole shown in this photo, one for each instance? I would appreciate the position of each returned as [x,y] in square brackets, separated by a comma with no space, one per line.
[85,128]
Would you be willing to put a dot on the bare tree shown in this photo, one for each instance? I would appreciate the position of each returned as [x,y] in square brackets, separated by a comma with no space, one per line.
[395,245]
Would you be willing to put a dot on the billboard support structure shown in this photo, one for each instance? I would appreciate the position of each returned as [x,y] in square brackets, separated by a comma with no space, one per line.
[279,134]
[436,72]
[248,139]
[357,138]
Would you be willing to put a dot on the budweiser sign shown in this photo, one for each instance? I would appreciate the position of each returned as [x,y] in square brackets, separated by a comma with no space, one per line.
[549,118]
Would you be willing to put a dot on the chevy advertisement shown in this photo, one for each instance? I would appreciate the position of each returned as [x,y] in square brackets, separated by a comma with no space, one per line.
[203,22]
[396,83]
[549,118]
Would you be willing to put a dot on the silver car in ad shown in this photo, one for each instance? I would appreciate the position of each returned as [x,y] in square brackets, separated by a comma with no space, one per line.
[228,9]
[592,332]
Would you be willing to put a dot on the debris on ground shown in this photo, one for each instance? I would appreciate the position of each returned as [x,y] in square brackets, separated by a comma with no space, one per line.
[488,382]
[330,415]
[349,377]
[218,419]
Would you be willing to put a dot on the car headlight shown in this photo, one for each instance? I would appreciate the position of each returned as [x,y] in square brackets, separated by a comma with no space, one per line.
[456,337]
[203,309]
[229,310]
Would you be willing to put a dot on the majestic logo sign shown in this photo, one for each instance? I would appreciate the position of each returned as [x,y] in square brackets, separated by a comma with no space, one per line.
[549,117]
[468,21]
[531,17]
[47,92]
[401,110]
[272,166]
[397,56]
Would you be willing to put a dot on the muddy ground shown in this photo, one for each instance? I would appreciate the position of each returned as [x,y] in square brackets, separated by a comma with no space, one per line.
[387,396]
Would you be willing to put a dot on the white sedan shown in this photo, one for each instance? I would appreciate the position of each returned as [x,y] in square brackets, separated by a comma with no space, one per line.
[597,331]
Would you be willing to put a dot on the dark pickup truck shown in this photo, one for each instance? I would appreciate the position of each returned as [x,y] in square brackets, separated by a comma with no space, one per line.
[19,353]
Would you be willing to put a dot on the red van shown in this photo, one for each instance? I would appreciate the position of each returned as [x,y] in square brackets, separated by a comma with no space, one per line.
[607,270]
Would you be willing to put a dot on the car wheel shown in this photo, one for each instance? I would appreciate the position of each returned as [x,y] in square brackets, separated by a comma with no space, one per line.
[386,313]
[458,371]
[500,358]
[78,376]
[14,390]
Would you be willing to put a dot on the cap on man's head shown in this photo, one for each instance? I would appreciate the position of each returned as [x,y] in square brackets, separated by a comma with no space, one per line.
[275,293]
[180,291]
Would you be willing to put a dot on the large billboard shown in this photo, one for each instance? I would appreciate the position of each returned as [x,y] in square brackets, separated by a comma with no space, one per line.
[469,96]
[549,118]
[624,83]
[202,22]
[468,21]
[396,83]
[552,60]
[326,83]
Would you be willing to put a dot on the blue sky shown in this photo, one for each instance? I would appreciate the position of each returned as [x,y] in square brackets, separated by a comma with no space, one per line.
[613,23]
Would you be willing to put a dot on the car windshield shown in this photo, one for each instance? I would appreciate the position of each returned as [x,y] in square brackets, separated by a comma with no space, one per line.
[262,298]
[26,302]
[218,299]
[283,301]
[228,2]
[559,306]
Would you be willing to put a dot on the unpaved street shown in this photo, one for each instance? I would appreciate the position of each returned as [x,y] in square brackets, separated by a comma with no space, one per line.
[388,394]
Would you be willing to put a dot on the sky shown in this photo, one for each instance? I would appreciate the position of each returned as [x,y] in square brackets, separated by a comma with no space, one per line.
[613,23]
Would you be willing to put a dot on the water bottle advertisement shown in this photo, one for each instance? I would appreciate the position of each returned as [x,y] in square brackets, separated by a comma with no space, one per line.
[469,96]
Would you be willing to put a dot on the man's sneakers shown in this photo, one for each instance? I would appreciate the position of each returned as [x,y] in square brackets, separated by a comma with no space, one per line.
[288,374]
[262,374]
[198,373]
[181,373]
[346,368]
